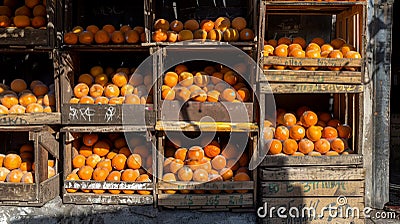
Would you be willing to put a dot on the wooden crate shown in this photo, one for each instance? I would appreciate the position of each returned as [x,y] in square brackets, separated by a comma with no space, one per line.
[45,147]
[315,19]
[205,200]
[44,38]
[100,13]
[175,110]
[30,66]
[344,106]
[312,187]
[71,134]
[69,64]
[185,10]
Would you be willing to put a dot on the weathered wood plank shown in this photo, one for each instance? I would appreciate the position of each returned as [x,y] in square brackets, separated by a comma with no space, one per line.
[31,119]
[320,62]
[108,114]
[311,173]
[309,88]
[89,184]
[107,199]
[343,160]
[317,188]
[27,36]
[342,77]
[223,185]
[108,128]
[205,126]
[205,199]
[315,209]
[195,111]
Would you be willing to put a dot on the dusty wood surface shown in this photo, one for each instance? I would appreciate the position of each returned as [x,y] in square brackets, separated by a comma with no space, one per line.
[320,62]
[205,199]
[281,160]
[91,184]
[107,199]
[205,126]
[223,185]
[303,76]
[31,119]
[309,88]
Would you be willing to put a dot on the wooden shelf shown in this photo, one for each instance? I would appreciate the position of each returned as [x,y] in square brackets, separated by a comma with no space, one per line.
[283,160]
[280,88]
[205,126]
[102,48]
[310,6]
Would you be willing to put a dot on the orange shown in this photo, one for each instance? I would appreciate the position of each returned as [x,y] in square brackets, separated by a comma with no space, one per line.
[281,50]
[200,175]
[244,160]
[309,118]
[294,47]
[331,153]
[86,151]
[178,70]
[181,154]
[22,21]
[195,153]
[289,119]
[18,85]
[125,150]
[275,147]
[38,21]
[92,160]
[176,165]
[176,26]
[329,132]
[284,40]
[300,41]
[222,23]
[326,47]
[130,175]
[214,35]
[226,173]
[92,28]
[169,177]
[185,174]
[337,43]
[272,42]
[333,123]
[17,109]
[100,174]
[207,25]
[111,90]
[191,25]
[212,150]
[314,133]
[314,153]
[322,146]
[324,116]
[90,139]
[297,132]
[85,172]
[313,47]
[306,146]
[171,79]
[12,161]
[144,178]
[81,90]
[133,37]
[86,37]
[337,145]
[241,177]
[114,176]
[101,148]
[72,176]
[78,161]
[167,163]
[109,28]
[119,162]
[102,37]
[218,162]
[106,163]
[239,23]
[134,161]
[161,24]
[318,40]
[344,131]
[14,176]
[34,108]
[9,100]
[281,133]
[120,79]
[26,166]
[228,95]
[290,146]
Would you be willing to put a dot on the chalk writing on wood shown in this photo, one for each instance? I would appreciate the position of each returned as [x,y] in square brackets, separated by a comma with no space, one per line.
[109,115]
[13,34]
[108,10]
[13,121]
[81,113]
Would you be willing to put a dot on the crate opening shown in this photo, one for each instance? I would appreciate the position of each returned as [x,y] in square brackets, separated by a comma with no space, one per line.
[19,164]
[108,163]
[214,163]
[107,78]
[333,123]
[28,83]
[103,12]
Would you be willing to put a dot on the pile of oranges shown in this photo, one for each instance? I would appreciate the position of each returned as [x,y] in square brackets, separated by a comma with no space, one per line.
[107,157]
[317,48]
[306,133]
[213,84]
[205,164]
[108,34]
[222,29]
[20,168]
[18,99]
[31,14]
[109,86]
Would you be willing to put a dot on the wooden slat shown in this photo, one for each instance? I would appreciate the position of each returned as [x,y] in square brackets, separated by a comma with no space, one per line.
[31,119]
[316,188]
[89,184]
[108,128]
[320,204]
[311,173]
[303,76]
[224,185]
[320,62]
[99,48]
[205,199]
[17,192]
[107,199]
[343,160]
[27,36]
[309,88]
[205,126]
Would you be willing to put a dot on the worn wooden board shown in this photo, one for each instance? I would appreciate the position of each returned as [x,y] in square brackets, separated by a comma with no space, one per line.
[109,47]
[343,160]
[31,119]
[107,199]
[278,88]
[108,114]
[311,173]
[223,185]
[317,188]
[27,36]
[320,62]
[122,185]
[205,126]
[177,200]
[196,111]
[303,76]
[318,204]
